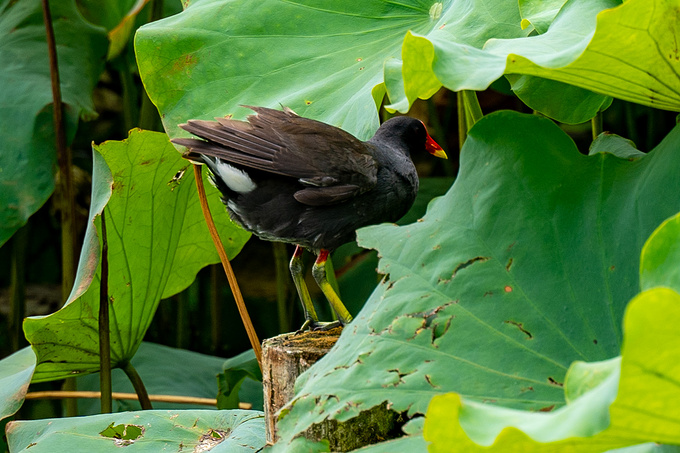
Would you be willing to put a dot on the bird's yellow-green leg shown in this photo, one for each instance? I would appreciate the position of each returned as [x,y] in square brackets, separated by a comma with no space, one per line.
[319,273]
[297,270]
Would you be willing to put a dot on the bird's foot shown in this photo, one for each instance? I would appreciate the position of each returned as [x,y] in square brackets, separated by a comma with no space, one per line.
[318,326]
[324,326]
[307,325]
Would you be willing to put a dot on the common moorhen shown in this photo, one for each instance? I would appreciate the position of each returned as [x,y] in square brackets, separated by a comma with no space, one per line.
[292,179]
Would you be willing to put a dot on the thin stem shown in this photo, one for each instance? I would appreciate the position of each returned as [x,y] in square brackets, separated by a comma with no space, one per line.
[596,124]
[17,287]
[129,92]
[631,126]
[137,383]
[65,187]
[104,333]
[185,300]
[462,120]
[240,304]
[282,284]
[67,203]
[472,108]
[148,114]
[215,309]
[59,394]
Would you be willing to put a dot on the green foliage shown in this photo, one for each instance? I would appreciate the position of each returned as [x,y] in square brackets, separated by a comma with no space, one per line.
[27,154]
[117,17]
[170,371]
[153,254]
[511,291]
[235,372]
[523,267]
[149,431]
[642,411]
[15,374]
[565,103]
[539,13]
[627,51]
[321,60]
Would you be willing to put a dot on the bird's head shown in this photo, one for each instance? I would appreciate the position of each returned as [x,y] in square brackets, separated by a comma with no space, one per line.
[409,131]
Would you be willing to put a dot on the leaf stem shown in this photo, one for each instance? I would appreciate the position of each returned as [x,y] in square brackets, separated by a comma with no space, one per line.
[282,284]
[68,232]
[65,182]
[462,120]
[233,284]
[473,111]
[148,114]
[17,289]
[129,92]
[137,383]
[104,327]
[215,310]
[596,124]
[60,394]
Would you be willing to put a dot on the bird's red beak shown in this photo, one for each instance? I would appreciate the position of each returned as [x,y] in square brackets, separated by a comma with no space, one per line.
[433,148]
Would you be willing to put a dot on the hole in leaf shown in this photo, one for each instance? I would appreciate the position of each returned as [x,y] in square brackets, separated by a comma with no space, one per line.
[208,440]
[521,328]
[122,434]
[469,262]
[554,382]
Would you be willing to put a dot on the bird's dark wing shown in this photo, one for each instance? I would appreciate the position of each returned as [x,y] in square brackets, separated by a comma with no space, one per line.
[332,164]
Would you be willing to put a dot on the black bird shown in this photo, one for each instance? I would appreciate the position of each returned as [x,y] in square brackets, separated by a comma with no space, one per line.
[292,179]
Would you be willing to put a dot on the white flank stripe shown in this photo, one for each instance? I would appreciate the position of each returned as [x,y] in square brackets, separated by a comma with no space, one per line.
[237,180]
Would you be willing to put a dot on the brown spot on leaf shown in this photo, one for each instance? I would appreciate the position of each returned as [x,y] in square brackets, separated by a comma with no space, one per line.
[554,382]
[508,265]
[468,263]
[188,61]
[521,328]
[429,381]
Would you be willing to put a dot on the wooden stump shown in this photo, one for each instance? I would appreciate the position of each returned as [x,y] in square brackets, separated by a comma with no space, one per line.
[284,358]
[287,356]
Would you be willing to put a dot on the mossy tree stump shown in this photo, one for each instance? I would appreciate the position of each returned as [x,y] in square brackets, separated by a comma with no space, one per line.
[287,356]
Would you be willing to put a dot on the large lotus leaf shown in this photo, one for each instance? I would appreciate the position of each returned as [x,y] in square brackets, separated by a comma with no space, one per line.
[157,242]
[322,59]
[565,103]
[644,410]
[15,375]
[626,51]
[27,154]
[142,431]
[523,267]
